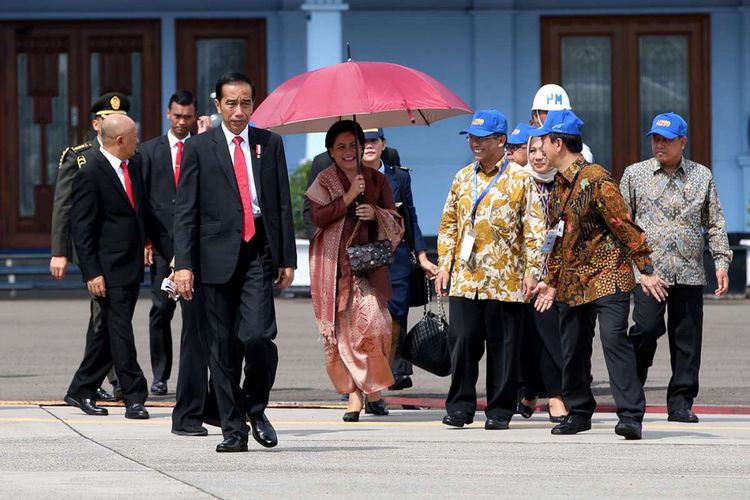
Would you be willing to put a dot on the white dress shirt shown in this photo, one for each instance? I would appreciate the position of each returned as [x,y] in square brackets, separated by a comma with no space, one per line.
[245,146]
[115,162]
[173,146]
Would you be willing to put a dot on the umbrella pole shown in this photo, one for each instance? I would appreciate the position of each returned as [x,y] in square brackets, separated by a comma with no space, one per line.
[361,197]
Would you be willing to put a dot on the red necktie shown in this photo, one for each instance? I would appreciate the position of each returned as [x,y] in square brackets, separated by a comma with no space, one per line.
[128,184]
[240,171]
[178,162]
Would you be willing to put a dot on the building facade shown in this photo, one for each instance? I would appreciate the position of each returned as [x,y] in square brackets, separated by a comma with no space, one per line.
[621,61]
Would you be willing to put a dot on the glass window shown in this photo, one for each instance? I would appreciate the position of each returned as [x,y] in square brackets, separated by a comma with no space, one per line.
[215,56]
[586,76]
[136,98]
[664,81]
[30,136]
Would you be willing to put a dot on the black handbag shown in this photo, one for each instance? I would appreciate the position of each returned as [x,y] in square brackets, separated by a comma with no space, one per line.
[426,345]
[370,255]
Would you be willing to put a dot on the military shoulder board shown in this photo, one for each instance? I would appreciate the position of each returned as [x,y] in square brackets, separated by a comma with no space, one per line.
[62,156]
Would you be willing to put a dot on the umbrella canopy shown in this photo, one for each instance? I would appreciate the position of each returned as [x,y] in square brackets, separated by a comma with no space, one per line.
[377,94]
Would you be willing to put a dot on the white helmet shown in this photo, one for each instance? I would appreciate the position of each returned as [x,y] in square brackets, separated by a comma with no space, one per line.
[551,97]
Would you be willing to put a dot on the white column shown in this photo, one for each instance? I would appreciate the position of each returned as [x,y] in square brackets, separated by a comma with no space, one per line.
[324,47]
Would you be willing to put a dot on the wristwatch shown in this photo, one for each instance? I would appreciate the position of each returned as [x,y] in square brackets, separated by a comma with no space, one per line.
[648,270]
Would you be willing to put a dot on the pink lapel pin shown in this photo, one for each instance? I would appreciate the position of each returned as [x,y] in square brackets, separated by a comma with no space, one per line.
[257,150]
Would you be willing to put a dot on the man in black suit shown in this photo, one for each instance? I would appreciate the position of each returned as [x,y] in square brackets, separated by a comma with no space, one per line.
[234,237]
[323,161]
[162,159]
[110,220]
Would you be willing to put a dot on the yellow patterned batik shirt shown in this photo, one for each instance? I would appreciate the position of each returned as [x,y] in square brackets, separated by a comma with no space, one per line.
[509,227]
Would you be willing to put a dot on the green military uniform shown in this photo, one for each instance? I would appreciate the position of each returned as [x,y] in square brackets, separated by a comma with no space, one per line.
[71,160]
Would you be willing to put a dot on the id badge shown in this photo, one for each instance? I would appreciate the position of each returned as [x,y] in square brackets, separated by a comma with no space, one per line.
[559,230]
[467,245]
[549,241]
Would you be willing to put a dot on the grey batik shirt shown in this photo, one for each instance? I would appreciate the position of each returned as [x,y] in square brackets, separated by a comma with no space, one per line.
[676,211]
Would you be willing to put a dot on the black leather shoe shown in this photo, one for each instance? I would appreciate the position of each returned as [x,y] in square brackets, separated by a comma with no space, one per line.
[159,388]
[351,416]
[685,415]
[263,431]
[136,411]
[116,391]
[197,430]
[376,407]
[402,382]
[629,429]
[555,419]
[524,410]
[572,424]
[233,444]
[102,395]
[457,419]
[496,424]
[87,405]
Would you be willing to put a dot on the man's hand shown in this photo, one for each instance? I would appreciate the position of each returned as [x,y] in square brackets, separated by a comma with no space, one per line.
[529,285]
[428,267]
[97,287]
[184,281]
[722,279]
[204,124]
[545,296]
[284,278]
[654,286]
[148,255]
[441,283]
[58,266]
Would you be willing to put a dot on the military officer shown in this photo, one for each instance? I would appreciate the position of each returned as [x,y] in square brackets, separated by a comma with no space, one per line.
[72,159]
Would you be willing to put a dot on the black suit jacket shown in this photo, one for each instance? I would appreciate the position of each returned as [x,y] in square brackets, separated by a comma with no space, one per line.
[323,161]
[208,209]
[158,179]
[107,233]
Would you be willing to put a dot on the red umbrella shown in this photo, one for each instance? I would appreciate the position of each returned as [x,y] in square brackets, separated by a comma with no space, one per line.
[376,94]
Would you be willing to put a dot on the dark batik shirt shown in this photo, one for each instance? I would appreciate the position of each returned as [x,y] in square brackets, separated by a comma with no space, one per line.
[594,257]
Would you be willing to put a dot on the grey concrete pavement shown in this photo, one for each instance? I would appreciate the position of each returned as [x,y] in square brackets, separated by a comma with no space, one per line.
[41,345]
[57,452]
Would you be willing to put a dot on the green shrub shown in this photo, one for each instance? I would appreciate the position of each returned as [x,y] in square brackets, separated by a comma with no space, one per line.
[297,187]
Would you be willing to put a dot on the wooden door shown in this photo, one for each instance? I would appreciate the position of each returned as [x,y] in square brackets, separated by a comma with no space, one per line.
[52,72]
[621,71]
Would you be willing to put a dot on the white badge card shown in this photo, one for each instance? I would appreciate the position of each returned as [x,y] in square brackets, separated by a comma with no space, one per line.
[560,228]
[549,241]
[467,245]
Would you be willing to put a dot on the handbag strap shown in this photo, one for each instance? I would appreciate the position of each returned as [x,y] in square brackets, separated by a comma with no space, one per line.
[377,220]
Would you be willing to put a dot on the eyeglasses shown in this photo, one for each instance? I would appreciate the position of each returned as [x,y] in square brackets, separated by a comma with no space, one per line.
[474,138]
[512,148]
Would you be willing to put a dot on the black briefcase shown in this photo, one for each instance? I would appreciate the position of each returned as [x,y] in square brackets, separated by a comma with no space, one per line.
[426,345]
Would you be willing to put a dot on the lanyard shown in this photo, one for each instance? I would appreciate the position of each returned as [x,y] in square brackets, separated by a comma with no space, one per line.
[567,199]
[478,200]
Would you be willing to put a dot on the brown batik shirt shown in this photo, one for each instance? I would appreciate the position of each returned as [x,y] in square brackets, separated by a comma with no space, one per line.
[593,258]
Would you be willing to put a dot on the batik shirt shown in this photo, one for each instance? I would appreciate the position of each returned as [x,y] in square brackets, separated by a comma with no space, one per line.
[509,227]
[600,241]
[675,211]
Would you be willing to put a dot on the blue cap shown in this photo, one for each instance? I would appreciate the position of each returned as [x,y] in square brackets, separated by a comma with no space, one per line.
[562,121]
[373,133]
[669,125]
[487,122]
[520,134]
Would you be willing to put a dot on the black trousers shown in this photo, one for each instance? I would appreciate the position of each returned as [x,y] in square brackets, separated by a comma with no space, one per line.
[577,331]
[192,374]
[684,306]
[114,341]
[398,306]
[541,353]
[160,321]
[473,323]
[242,310]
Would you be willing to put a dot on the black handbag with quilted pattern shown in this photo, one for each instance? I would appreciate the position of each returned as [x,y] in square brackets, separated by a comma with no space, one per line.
[426,345]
